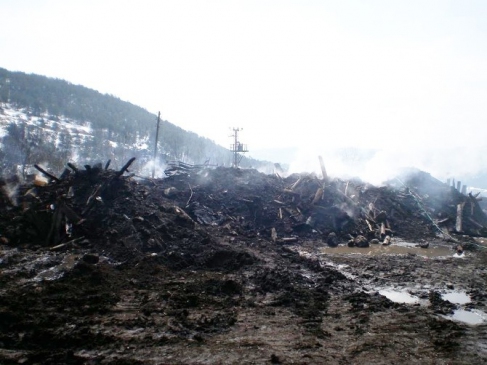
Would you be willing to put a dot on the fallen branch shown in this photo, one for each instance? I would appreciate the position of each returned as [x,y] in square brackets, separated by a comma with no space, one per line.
[67,244]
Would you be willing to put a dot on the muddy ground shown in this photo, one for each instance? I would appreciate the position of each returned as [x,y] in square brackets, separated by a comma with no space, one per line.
[187,270]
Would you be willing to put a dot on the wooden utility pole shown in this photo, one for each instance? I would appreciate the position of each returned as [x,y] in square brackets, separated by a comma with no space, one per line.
[155,146]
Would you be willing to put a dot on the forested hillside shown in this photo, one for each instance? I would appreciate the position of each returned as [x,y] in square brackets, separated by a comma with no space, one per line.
[51,121]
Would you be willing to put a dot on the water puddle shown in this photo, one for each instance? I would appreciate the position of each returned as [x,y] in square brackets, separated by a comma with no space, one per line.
[56,272]
[469,317]
[456,297]
[399,248]
[399,296]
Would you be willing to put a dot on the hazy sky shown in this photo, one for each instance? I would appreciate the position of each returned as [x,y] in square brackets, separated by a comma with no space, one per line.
[406,77]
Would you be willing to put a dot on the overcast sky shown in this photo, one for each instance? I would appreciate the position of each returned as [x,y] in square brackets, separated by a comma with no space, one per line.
[406,77]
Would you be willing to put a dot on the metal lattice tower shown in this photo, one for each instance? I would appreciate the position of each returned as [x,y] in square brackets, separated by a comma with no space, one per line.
[237,148]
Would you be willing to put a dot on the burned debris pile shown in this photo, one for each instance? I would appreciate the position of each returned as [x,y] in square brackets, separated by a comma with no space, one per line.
[178,215]
[303,206]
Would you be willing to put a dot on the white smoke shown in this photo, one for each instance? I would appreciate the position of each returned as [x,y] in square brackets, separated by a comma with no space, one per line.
[380,165]
[157,166]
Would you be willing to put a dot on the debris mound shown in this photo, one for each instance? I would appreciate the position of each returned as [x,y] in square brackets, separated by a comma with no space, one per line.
[126,216]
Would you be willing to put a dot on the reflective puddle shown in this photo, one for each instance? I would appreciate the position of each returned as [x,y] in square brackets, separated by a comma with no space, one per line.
[456,297]
[402,248]
[399,296]
[470,317]
[56,272]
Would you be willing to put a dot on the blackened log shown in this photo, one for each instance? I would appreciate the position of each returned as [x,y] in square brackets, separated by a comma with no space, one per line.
[72,167]
[107,164]
[125,167]
[52,177]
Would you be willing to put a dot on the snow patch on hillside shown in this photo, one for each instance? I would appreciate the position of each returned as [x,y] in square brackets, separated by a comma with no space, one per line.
[52,124]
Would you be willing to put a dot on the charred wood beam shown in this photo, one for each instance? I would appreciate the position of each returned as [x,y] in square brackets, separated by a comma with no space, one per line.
[291,192]
[125,168]
[72,167]
[443,221]
[101,188]
[68,244]
[288,239]
[458,225]
[295,185]
[52,177]
[347,198]
[323,169]
[53,236]
[318,196]
[478,225]
[279,202]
